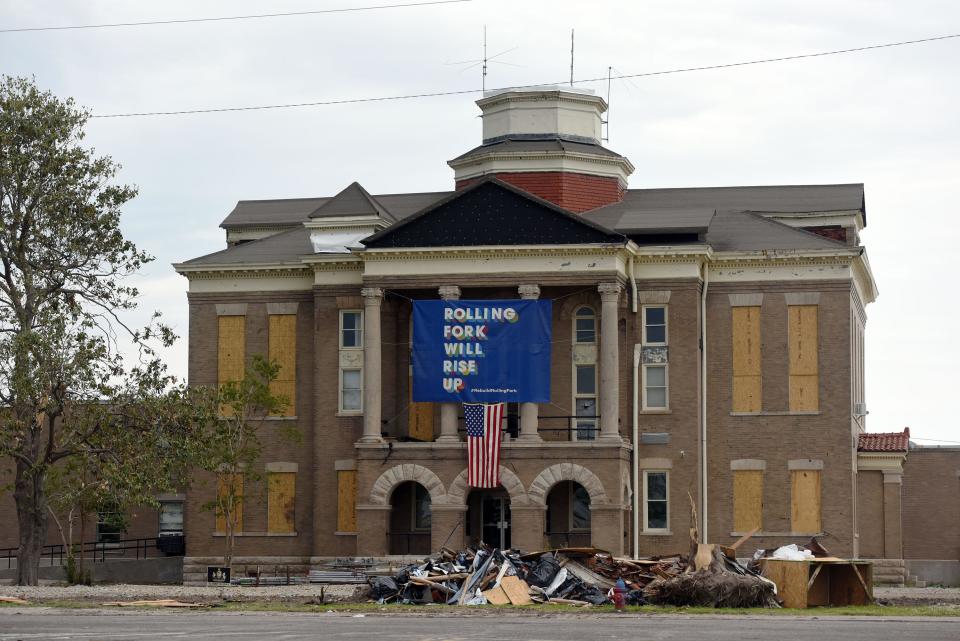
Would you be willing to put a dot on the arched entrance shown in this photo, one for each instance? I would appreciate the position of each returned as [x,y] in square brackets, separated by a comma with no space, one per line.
[488,518]
[410,519]
[568,515]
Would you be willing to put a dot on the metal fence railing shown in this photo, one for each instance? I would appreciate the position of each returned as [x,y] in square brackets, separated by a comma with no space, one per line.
[96,551]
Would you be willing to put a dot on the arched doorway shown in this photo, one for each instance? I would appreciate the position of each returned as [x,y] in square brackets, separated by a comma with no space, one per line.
[568,515]
[410,519]
[488,518]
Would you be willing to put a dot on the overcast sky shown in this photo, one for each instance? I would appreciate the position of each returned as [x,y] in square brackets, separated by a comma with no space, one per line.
[887,118]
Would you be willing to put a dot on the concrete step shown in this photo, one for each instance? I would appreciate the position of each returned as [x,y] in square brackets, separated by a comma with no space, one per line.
[887,563]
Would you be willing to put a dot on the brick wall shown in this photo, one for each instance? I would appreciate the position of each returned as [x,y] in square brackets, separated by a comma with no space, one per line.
[575,192]
[199,523]
[931,504]
[776,435]
[870,513]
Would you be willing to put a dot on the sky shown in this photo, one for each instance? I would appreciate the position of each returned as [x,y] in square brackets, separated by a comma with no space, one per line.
[887,118]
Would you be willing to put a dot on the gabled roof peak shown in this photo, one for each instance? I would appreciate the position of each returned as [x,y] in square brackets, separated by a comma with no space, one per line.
[353,200]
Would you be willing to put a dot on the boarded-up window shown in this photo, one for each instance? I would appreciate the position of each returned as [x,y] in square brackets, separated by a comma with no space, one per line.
[747,388]
[747,500]
[804,372]
[231,352]
[281,501]
[229,499]
[283,350]
[347,501]
[421,421]
[805,501]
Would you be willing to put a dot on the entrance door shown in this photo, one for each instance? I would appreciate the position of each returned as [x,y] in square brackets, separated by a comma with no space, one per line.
[495,521]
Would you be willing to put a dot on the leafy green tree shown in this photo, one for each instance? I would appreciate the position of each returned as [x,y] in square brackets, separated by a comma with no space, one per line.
[233,448]
[68,399]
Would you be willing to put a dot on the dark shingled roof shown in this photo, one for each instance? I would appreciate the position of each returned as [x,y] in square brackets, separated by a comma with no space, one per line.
[730,216]
[884,441]
[511,145]
[746,231]
[292,211]
[771,199]
[354,200]
[285,247]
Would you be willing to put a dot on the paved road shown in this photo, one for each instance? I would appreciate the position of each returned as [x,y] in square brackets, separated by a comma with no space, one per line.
[37,623]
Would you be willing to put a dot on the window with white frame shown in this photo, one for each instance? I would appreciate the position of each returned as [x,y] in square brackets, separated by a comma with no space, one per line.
[351,390]
[351,329]
[654,325]
[655,393]
[655,387]
[171,517]
[585,402]
[656,508]
[584,326]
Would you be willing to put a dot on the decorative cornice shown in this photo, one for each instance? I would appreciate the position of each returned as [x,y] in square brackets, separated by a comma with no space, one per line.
[336,266]
[472,253]
[243,271]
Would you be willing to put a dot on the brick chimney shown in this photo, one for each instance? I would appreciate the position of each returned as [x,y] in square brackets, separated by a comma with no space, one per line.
[546,140]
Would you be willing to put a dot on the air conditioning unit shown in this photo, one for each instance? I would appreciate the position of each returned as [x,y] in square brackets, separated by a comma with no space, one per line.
[860,409]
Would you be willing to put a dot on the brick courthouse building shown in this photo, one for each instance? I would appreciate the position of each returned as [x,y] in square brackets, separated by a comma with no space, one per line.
[707,342]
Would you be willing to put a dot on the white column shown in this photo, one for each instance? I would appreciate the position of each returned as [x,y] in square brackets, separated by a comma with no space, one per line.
[609,362]
[529,412]
[448,411]
[372,378]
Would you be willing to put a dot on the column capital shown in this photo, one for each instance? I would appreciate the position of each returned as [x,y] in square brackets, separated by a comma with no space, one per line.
[529,291]
[449,292]
[372,295]
[609,292]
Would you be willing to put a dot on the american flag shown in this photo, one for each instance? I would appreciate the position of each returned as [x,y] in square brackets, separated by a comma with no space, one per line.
[483,443]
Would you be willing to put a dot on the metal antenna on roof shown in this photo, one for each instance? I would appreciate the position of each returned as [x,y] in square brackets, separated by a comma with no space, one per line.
[483,80]
[607,121]
[485,61]
[571,57]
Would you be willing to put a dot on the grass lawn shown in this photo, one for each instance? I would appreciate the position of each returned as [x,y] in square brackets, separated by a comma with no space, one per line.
[374,609]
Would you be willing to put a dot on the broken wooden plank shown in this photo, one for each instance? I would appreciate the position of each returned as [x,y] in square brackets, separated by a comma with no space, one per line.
[516,590]
[587,575]
[743,539]
[13,599]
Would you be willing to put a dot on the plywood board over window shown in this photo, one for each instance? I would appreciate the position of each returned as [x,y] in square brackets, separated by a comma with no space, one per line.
[747,500]
[231,351]
[747,386]
[804,366]
[346,500]
[421,421]
[281,502]
[805,501]
[283,350]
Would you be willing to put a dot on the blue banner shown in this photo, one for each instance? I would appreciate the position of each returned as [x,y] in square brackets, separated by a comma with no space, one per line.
[481,351]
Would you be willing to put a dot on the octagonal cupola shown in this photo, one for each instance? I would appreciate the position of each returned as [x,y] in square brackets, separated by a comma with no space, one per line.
[547,141]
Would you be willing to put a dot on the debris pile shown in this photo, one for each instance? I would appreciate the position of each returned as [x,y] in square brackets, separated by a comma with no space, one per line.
[573,576]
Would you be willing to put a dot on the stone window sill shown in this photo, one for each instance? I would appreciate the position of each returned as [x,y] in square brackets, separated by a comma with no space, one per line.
[255,534]
[338,533]
[656,533]
[349,413]
[816,413]
[656,411]
[282,418]
[783,535]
